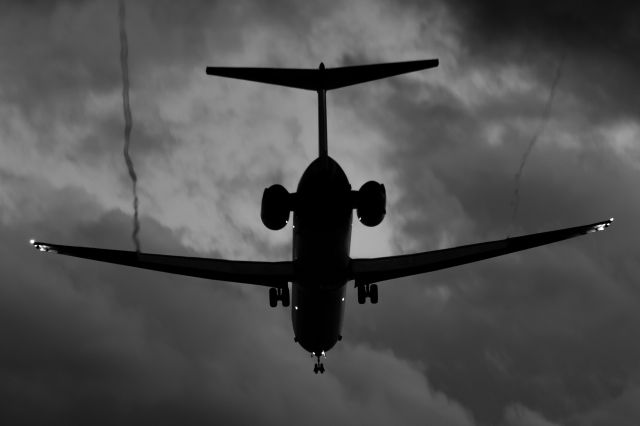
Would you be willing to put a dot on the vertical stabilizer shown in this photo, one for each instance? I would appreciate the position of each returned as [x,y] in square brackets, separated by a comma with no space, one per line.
[323,149]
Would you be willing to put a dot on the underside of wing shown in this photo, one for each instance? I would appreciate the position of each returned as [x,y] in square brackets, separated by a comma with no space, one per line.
[367,271]
[270,274]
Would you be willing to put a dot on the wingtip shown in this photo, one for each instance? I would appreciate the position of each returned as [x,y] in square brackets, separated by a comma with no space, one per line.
[430,63]
[601,226]
[41,246]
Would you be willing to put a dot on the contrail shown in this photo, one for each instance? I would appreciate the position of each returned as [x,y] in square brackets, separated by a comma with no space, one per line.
[124,65]
[515,201]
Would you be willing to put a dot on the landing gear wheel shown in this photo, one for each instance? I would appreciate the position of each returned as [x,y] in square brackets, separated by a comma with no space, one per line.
[373,293]
[273,297]
[319,366]
[362,294]
[279,293]
[367,290]
[284,296]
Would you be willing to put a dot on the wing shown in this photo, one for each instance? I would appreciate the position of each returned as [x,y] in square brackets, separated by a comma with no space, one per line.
[269,274]
[367,271]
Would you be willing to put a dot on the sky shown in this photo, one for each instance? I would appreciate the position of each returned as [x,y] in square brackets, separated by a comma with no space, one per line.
[547,336]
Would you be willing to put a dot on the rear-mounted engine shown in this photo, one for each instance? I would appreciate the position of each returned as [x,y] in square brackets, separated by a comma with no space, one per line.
[276,205]
[371,203]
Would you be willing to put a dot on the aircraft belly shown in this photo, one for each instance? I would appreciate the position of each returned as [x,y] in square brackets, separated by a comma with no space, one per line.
[321,238]
[317,315]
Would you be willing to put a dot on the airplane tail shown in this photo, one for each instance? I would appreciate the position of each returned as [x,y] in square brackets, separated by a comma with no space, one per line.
[322,79]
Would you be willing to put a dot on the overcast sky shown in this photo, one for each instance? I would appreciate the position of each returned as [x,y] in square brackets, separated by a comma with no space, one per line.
[543,337]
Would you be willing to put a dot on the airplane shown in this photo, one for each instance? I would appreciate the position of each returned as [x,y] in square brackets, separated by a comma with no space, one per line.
[322,207]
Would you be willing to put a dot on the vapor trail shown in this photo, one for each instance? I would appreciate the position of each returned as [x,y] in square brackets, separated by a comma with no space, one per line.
[515,200]
[124,65]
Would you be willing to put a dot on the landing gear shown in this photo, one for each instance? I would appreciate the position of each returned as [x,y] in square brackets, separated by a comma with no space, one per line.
[373,293]
[367,290]
[319,367]
[281,294]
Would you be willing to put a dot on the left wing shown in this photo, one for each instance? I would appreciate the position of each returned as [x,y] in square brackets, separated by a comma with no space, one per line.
[368,271]
[269,274]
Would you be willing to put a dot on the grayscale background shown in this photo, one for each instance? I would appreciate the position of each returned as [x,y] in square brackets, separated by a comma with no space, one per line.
[543,337]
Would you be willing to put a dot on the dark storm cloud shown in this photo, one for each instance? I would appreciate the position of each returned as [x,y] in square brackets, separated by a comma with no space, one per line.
[573,24]
[601,42]
[90,342]
[551,328]
[554,336]
[61,50]
[58,48]
[61,56]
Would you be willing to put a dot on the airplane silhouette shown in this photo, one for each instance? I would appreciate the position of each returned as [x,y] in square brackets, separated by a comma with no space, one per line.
[322,210]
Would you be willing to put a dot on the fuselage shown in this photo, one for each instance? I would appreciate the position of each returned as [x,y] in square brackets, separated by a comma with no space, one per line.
[323,211]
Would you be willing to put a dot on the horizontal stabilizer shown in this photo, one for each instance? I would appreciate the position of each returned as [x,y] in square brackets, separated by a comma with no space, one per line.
[322,78]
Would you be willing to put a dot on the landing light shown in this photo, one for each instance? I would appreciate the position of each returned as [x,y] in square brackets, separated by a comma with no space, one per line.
[31,241]
[343,299]
[296,307]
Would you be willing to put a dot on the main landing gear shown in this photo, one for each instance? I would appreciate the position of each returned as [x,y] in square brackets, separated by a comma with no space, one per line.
[367,290]
[279,293]
[319,367]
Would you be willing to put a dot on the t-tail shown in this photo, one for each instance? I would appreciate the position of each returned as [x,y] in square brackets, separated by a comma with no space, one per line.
[322,79]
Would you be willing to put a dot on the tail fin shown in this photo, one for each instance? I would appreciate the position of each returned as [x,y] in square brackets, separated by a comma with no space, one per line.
[322,78]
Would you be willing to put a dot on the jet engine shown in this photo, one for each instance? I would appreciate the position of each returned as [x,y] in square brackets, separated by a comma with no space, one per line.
[371,203]
[276,205]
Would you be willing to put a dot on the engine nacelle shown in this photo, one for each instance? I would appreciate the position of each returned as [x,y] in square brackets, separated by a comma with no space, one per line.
[276,205]
[371,203]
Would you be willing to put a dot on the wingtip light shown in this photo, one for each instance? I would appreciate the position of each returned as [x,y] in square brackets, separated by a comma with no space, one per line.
[41,247]
[601,226]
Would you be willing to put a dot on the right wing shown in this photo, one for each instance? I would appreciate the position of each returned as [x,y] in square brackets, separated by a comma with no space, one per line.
[269,274]
[367,271]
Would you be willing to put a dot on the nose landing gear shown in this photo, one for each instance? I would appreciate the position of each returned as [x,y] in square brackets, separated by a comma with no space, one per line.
[319,367]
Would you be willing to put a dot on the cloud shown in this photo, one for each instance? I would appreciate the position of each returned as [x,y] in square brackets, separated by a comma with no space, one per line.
[518,415]
[546,335]
[600,44]
[85,340]
[620,410]
[542,327]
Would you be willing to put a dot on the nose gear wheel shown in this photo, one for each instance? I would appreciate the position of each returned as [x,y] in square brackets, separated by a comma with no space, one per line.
[318,367]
